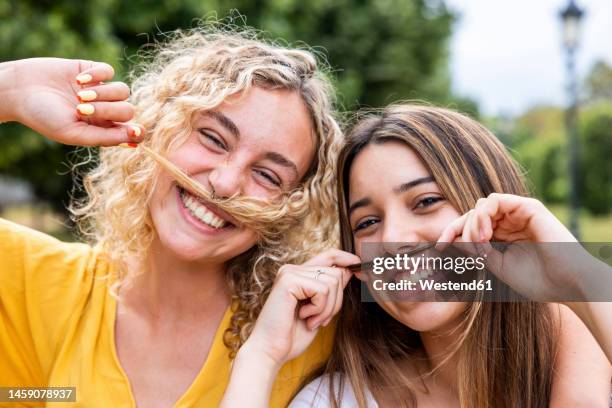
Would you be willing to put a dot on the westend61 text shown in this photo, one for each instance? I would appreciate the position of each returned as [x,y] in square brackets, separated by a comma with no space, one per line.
[430,285]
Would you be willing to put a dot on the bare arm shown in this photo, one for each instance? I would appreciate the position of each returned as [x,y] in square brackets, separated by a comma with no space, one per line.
[582,371]
[597,316]
[7,77]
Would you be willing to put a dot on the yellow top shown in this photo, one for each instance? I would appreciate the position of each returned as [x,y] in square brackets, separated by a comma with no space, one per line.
[57,321]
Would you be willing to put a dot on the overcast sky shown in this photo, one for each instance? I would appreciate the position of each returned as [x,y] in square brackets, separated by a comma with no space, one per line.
[508,56]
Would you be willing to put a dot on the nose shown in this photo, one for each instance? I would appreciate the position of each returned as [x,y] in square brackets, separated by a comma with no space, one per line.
[226,180]
[399,236]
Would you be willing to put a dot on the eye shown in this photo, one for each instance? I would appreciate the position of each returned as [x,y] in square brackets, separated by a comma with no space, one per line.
[210,137]
[428,201]
[269,178]
[364,224]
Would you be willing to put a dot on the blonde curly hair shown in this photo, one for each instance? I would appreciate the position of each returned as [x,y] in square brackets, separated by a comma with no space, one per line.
[197,70]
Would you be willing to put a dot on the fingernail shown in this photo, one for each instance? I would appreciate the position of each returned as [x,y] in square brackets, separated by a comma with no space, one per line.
[135,131]
[85,108]
[88,95]
[129,145]
[83,79]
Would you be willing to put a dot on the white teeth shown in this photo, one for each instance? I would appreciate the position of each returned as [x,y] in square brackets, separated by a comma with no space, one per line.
[413,277]
[201,212]
[208,218]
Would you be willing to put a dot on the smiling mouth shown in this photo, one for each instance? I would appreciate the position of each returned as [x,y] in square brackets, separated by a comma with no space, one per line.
[414,277]
[201,212]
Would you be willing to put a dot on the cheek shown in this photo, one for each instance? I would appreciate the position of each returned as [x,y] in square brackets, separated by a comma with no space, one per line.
[248,237]
[439,221]
[163,193]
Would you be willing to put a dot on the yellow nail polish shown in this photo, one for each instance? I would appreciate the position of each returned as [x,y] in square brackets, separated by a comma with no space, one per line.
[88,95]
[136,131]
[85,108]
[83,79]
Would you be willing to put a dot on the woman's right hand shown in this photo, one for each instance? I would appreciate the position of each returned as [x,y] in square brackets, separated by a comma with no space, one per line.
[68,101]
[303,298]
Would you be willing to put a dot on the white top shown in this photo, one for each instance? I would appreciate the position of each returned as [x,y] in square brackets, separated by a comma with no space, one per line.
[316,394]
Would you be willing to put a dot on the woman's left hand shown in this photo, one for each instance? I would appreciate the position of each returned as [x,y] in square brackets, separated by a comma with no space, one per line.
[550,266]
[537,265]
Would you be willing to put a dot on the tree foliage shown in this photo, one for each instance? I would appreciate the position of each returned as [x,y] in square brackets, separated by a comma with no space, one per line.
[381,51]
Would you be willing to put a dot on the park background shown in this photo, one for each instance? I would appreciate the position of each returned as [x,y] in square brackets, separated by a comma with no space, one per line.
[455,53]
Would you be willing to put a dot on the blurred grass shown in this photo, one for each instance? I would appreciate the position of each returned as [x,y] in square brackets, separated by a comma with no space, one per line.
[592,228]
[41,218]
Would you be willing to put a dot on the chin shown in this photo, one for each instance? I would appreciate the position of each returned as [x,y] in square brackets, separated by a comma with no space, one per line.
[182,246]
[427,316]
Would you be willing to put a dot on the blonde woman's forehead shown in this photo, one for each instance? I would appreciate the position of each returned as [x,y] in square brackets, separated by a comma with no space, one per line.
[265,120]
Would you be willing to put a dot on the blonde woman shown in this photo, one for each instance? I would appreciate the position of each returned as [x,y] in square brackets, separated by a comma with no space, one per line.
[407,176]
[153,310]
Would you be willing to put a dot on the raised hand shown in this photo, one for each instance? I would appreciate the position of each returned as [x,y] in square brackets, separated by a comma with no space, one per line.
[68,101]
[303,298]
[541,263]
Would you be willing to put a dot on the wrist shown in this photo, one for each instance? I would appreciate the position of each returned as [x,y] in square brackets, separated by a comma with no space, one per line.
[251,354]
[595,283]
[8,79]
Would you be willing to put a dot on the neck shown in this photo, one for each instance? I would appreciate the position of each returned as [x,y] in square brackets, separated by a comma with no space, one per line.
[437,345]
[172,288]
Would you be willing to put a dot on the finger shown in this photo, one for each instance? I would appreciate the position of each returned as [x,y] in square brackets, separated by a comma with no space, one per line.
[330,276]
[339,277]
[85,134]
[94,72]
[467,235]
[106,111]
[485,224]
[316,293]
[335,290]
[344,278]
[304,288]
[114,91]
[313,271]
[449,233]
[333,257]
[475,230]
[500,204]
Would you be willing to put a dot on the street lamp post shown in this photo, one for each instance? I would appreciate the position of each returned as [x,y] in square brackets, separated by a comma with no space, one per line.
[571,17]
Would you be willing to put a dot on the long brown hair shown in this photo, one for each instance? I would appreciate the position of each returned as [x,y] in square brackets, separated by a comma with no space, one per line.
[505,354]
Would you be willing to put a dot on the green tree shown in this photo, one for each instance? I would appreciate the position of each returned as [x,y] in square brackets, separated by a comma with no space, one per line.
[598,83]
[595,154]
[381,51]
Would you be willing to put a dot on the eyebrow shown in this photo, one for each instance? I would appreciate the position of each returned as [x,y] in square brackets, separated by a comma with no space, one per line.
[282,161]
[359,203]
[226,122]
[272,156]
[402,188]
